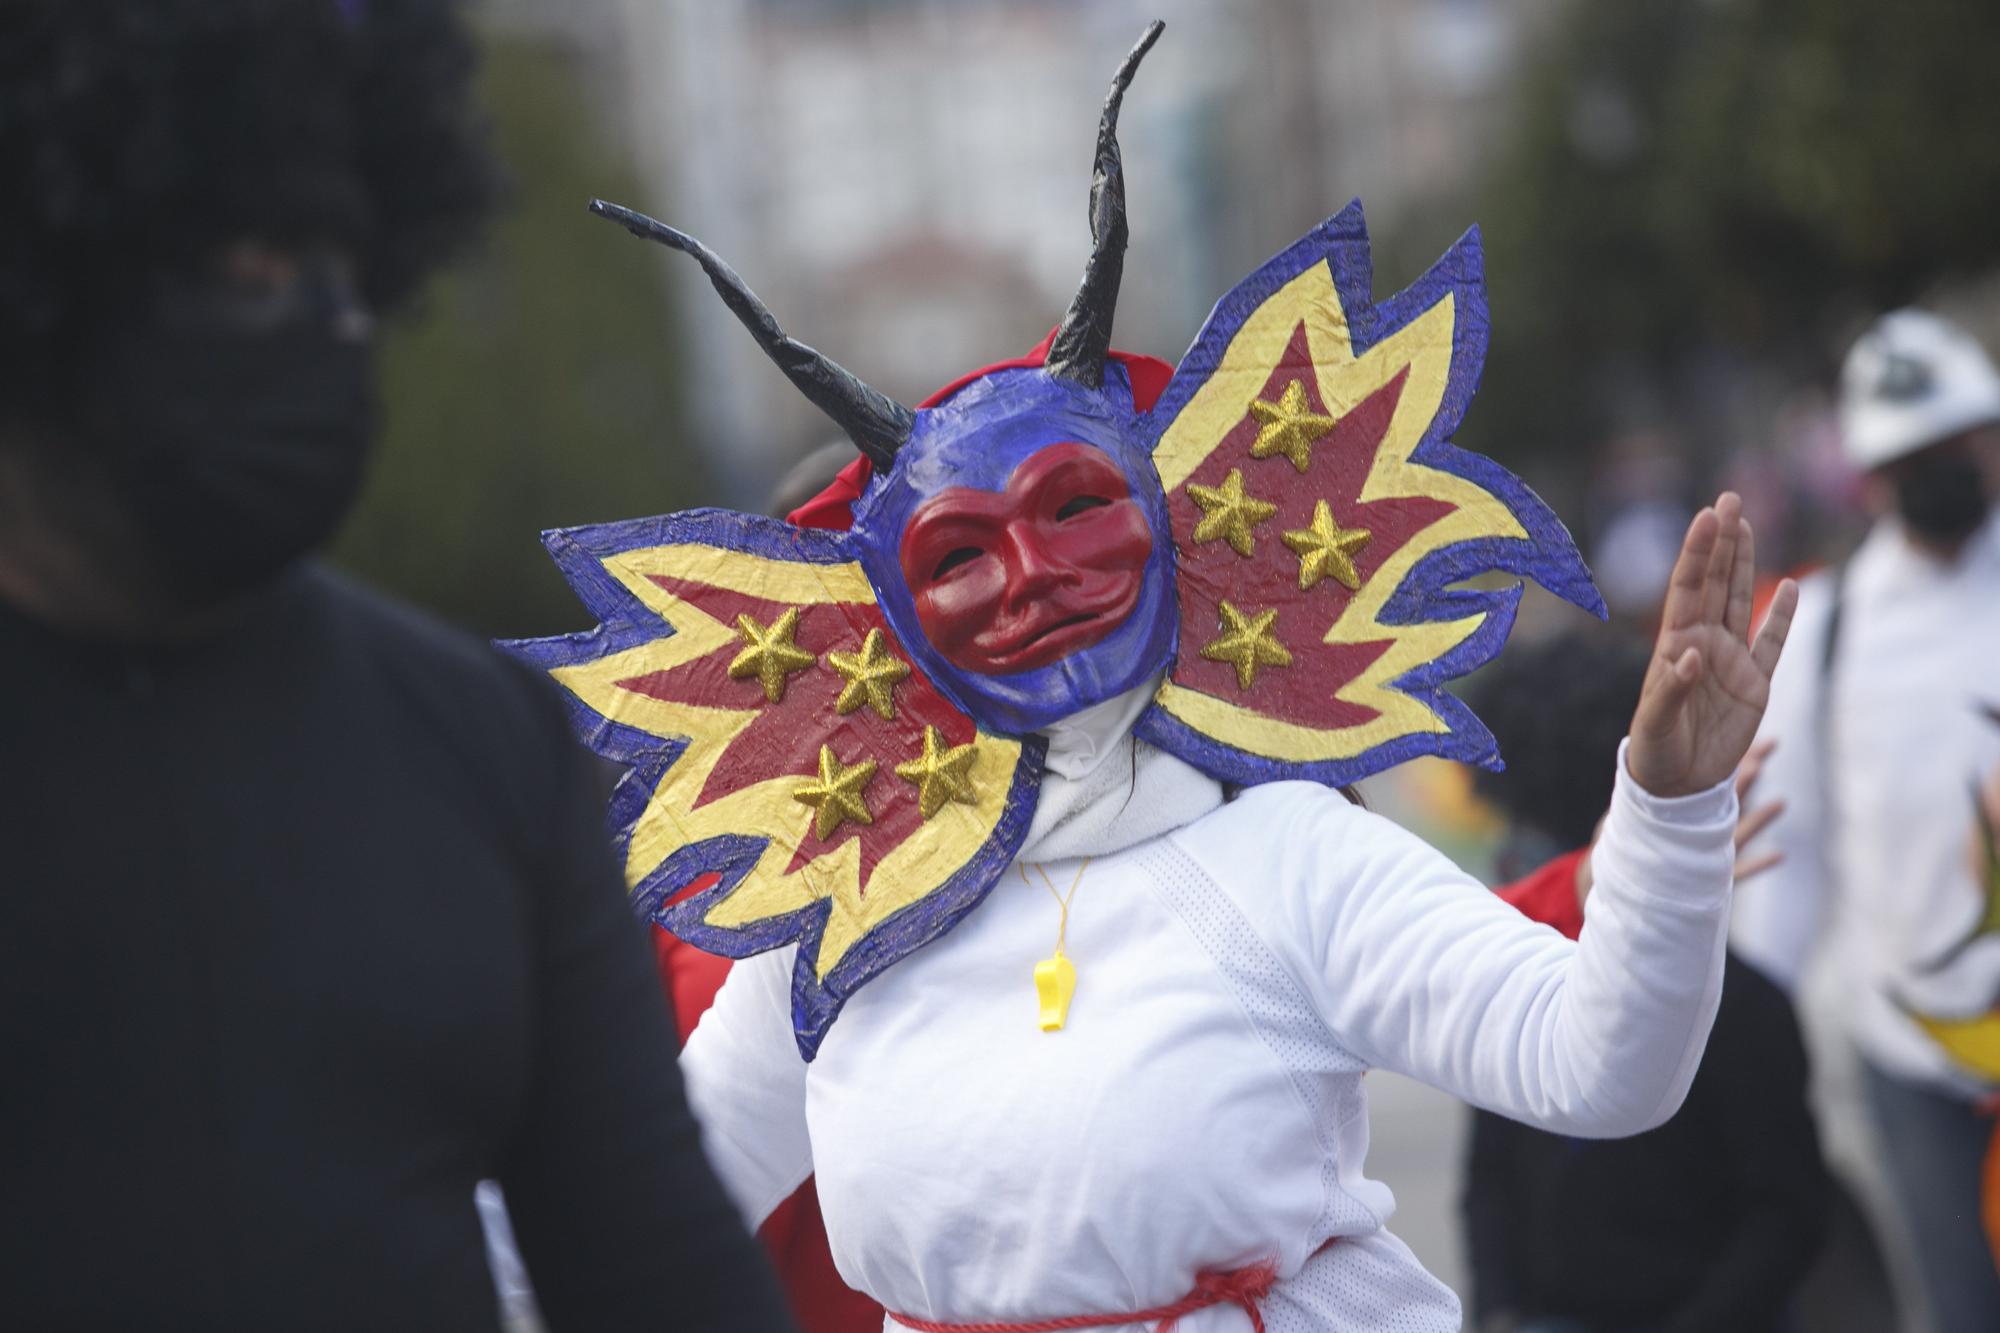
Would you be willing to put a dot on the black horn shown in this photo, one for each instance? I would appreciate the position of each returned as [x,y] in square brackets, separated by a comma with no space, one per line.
[877,423]
[1085,336]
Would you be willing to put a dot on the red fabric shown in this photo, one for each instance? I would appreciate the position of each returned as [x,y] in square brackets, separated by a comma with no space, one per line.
[689,976]
[794,1234]
[1549,894]
[1245,1288]
[833,507]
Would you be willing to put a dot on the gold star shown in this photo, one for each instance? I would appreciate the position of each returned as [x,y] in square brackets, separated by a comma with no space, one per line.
[769,654]
[871,676]
[944,774]
[1247,645]
[1326,548]
[1229,513]
[1289,429]
[836,797]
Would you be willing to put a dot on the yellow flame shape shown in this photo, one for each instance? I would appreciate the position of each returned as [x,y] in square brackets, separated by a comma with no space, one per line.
[1344,380]
[670,820]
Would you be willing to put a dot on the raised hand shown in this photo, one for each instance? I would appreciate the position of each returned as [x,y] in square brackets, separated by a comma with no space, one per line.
[1707,684]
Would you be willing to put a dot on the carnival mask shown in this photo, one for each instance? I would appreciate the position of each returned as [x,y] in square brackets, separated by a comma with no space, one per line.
[832,734]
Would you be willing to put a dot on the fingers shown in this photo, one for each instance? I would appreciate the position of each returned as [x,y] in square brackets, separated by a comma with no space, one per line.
[1777,624]
[1722,560]
[1684,587]
[1665,692]
[1756,821]
[1742,583]
[1749,867]
[1752,767]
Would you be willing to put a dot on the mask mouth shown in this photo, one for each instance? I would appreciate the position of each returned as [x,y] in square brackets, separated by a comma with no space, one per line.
[1060,623]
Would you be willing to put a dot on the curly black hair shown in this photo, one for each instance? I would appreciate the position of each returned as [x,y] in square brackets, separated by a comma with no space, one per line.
[137,138]
[1559,707]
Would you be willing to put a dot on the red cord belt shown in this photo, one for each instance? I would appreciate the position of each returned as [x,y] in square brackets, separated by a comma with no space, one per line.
[1244,1287]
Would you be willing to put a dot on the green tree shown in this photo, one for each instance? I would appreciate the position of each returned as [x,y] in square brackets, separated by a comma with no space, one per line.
[536,386]
[1694,176]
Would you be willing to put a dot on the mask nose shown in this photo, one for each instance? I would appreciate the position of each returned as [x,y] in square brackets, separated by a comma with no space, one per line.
[1032,570]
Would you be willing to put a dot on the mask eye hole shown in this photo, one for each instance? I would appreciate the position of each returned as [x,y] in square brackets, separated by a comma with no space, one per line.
[1081,504]
[964,555]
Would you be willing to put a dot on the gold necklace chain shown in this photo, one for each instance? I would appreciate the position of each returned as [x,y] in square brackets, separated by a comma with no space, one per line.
[1055,976]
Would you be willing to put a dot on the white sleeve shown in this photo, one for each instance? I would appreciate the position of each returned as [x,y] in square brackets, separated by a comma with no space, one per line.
[1779,913]
[747,1085]
[1421,970]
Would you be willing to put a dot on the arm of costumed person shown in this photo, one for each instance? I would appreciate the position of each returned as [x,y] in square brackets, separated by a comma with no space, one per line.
[1417,968]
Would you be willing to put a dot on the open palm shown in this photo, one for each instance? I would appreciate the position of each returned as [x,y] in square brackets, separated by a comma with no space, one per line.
[1708,682]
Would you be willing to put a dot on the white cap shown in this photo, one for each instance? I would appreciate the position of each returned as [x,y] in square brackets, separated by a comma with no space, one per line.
[1910,381]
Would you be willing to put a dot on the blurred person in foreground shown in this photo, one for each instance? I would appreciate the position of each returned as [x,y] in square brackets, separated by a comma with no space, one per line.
[1708,1223]
[308,922]
[1878,718]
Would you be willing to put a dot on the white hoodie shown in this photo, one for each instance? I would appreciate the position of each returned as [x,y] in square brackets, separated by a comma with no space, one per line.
[1240,967]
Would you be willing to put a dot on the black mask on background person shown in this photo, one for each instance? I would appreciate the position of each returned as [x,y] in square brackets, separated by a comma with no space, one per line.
[232,447]
[1941,494]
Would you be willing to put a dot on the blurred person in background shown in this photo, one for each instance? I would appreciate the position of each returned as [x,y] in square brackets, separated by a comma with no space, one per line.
[1638,511]
[1709,1222]
[308,920]
[1877,714]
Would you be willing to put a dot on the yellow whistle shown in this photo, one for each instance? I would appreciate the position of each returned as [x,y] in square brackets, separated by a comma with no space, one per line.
[1055,983]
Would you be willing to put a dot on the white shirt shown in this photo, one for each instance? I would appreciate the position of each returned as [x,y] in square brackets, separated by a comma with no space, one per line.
[1239,971]
[1877,776]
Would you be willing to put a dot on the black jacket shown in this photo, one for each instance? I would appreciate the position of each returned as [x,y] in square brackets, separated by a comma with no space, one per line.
[305,927]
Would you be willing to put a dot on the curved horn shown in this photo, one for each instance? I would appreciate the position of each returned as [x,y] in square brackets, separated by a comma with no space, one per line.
[877,423]
[1085,336]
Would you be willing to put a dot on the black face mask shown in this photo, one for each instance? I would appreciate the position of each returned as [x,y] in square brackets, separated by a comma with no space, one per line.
[1942,496]
[231,451]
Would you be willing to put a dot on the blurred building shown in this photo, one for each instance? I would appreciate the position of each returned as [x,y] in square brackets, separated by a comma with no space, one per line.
[905,181]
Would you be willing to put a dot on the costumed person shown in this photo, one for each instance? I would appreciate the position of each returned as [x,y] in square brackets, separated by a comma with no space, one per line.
[1878,719]
[306,921]
[1069,1037]
[1736,1192]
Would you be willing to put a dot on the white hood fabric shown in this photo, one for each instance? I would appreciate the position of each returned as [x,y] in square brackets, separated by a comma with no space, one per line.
[1104,790]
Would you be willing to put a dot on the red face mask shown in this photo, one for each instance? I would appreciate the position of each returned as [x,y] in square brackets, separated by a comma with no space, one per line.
[1014,580]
